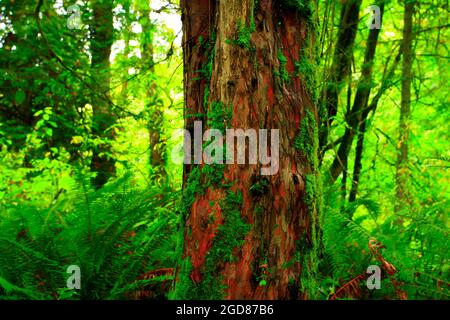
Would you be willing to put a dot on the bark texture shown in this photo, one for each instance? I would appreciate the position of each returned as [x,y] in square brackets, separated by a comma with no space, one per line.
[250,64]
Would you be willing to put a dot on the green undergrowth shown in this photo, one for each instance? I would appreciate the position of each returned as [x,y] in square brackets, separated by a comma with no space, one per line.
[114,235]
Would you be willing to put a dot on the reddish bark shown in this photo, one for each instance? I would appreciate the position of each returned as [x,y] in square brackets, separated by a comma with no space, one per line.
[247,79]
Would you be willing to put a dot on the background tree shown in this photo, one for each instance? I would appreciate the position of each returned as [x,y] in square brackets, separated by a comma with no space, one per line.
[157,148]
[103,119]
[354,116]
[405,109]
[340,69]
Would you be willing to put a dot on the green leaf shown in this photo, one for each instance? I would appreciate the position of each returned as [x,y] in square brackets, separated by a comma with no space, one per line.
[20,96]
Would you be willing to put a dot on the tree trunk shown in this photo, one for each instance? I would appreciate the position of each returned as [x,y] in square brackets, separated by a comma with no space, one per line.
[355,116]
[127,37]
[157,148]
[386,83]
[358,160]
[341,66]
[102,38]
[405,108]
[249,236]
